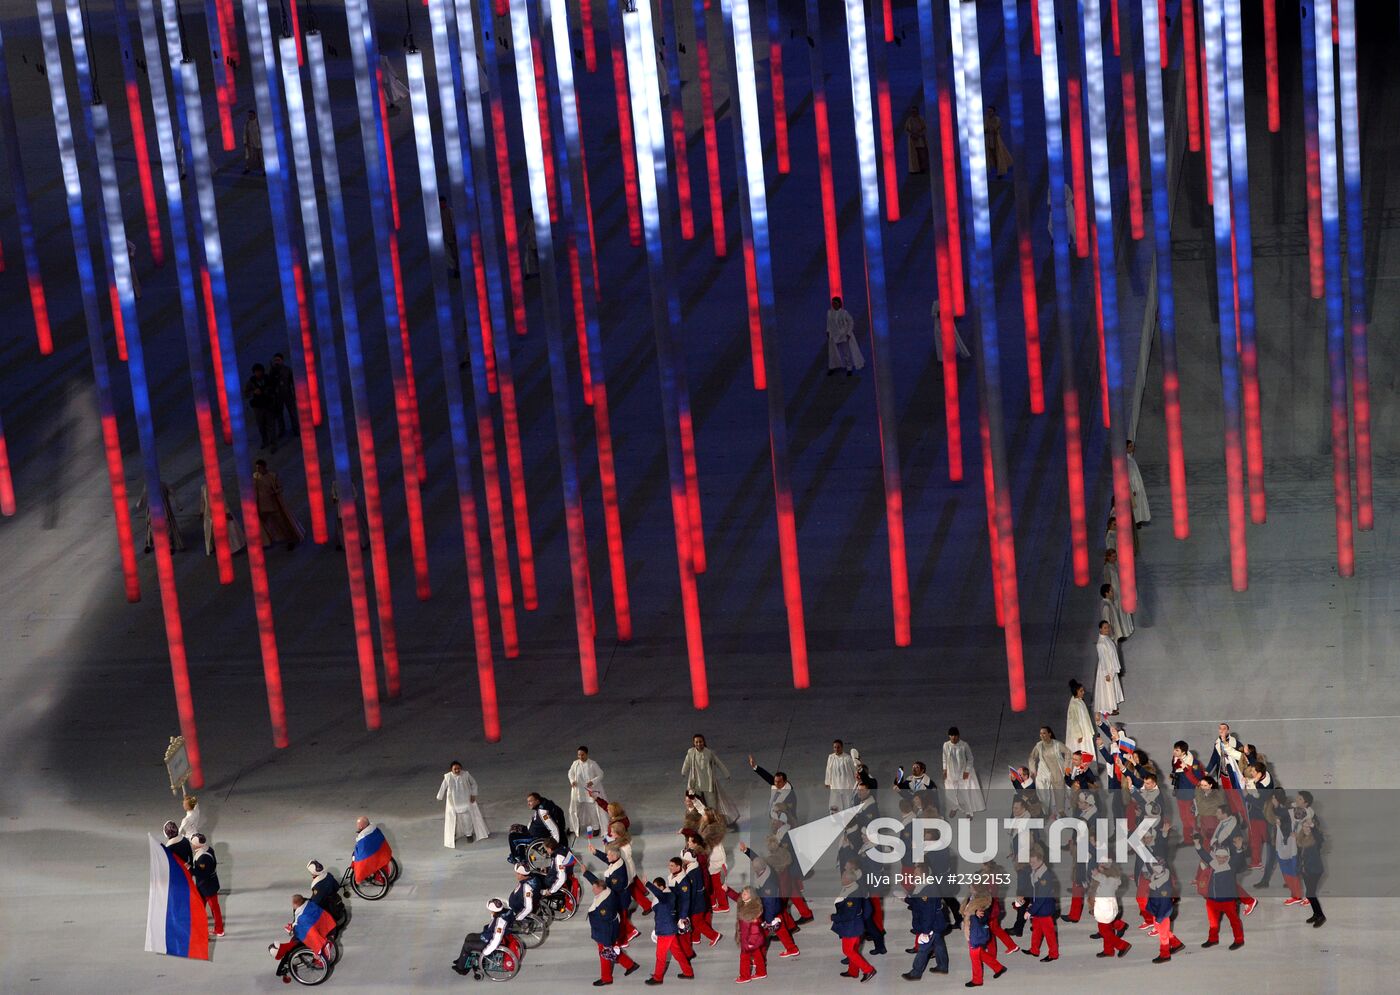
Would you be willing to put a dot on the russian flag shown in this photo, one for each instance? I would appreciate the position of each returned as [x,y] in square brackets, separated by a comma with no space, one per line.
[1015,774]
[1126,745]
[314,926]
[176,923]
[371,854]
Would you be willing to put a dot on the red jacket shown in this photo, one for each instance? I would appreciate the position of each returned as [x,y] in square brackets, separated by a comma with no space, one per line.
[751,935]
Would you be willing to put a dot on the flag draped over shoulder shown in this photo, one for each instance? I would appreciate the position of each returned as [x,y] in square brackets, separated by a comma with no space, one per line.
[371,854]
[175,918]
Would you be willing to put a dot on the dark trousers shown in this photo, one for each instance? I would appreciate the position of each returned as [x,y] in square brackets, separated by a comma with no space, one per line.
[1310,883]
[286,414]
[935,948]
[266,426]
[472,944]
[1270,862]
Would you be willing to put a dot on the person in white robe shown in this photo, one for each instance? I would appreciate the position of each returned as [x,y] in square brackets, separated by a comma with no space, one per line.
[1049,760]
[461,815]
[1120,623]
[840,779]
[841,347]
[585,780]
[958,342]
[1110,535]
[1080,735]
[1142,511]
[1110,569]
[236,542]
[699,769]
[962,791]
[395,90]
[1108,689]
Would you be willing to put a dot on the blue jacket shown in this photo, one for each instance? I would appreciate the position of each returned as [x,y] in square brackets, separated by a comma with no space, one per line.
[926,908]
[849,918]
[1043,894]
[664,911]
[768,894]
[979,933]
[603,925]
[1222,887]
[699,901]
[617,880]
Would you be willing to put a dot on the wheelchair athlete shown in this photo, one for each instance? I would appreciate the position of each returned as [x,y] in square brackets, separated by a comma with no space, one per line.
[478,946]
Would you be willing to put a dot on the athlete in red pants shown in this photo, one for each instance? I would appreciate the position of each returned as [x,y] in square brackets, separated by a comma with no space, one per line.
[669,944]
[1159,906]
[998,933]
[605,963]
[980,948]
[1113,943]
[848,922]
[1229,908]
[639,893]
[856,965]
[803,910]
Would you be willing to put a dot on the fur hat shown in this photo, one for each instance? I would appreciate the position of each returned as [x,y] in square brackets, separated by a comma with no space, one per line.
[976,903]
[713,834]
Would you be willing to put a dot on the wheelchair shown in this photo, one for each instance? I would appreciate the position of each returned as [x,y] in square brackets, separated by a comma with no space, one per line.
[307,967]
[532,930]
[501,964]
[561,905]
[374,887]
[531,851]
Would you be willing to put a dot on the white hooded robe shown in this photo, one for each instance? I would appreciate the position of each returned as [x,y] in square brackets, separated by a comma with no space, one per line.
[1108,690]
[461,815]
[583,811]
[961,789]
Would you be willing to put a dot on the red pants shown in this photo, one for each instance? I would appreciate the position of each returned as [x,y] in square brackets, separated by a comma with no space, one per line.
[718,892]
[850,946]
[785,938]
[626,931]
[211,904]
[877,916]
[1076,902]
[642,896]
[1230,910]
[983,955]
[1142,899]
[1043,927]
[671,946]
[1234,797]
[752,964]
[1112,942]
[700,926]
[1295,888]
[1168,942]
[994,924]
[283,949]
[1244,896]
[1188,819]
[1207,827]
[800,906]
[606,966]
